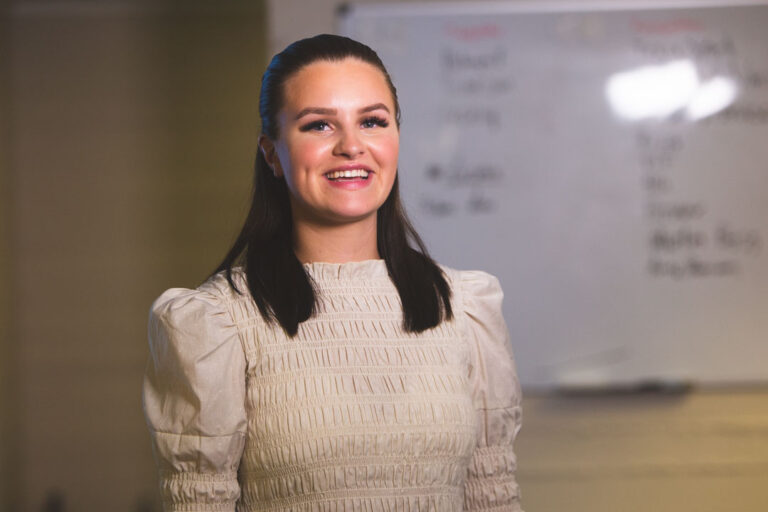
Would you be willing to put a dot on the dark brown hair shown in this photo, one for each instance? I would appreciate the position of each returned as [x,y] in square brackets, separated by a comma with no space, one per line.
[276,279]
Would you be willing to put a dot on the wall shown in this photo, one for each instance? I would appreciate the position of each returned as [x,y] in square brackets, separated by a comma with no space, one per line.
[7,424]
[131,134]
[707,450]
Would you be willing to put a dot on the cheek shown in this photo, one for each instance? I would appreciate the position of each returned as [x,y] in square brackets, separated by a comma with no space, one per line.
[309,152]
[387,150]
[301,156]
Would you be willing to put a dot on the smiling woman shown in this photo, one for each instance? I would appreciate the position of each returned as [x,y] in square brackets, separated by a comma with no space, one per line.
[329,363]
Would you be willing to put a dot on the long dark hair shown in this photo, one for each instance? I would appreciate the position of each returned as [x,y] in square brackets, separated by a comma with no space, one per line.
[277,280]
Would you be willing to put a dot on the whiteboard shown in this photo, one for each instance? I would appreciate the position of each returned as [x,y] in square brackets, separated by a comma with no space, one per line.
[609,166]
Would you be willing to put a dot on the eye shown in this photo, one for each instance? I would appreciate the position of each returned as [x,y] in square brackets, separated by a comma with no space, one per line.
[374,121]
[316,126]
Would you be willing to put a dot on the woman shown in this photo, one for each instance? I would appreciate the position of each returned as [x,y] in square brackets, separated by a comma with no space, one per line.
[327,365]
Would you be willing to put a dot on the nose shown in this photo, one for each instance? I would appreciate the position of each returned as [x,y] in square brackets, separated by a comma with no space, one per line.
[349,144]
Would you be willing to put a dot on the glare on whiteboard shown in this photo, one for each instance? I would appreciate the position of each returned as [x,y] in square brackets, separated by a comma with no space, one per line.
[658,92]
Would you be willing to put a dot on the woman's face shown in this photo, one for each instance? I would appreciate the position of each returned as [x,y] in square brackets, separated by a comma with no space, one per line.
[338,142]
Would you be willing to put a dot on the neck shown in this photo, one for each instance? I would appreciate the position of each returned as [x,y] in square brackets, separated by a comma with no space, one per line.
[336,243]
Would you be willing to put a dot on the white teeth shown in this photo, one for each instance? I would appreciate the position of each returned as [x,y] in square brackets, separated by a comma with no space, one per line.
[352,173]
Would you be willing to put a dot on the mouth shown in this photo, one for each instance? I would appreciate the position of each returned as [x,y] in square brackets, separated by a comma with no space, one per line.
[348,175]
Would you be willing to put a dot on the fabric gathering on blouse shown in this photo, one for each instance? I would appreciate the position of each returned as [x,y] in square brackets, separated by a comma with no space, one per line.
[351,414]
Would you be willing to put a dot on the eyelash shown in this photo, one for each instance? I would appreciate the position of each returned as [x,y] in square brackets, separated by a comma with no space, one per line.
[320,124]
[314,125]
[379,121]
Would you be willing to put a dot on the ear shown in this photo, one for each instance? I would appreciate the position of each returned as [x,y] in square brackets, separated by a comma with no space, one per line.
[267,148]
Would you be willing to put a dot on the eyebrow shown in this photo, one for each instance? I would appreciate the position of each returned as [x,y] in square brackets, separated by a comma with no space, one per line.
[332,111]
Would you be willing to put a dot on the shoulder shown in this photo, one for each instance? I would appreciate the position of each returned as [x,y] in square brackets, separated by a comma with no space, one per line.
[211,293]
[192,310]
[477,306]
[472,286]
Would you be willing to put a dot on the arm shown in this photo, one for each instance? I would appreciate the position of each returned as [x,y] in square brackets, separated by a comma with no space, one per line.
[491,482]
[194,400]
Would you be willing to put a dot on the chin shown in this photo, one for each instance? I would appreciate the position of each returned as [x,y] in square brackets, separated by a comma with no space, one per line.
[346,215]
[356,210]
[349,217]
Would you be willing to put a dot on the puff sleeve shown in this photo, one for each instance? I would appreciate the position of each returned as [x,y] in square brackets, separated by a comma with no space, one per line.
[194,400]
[491,482]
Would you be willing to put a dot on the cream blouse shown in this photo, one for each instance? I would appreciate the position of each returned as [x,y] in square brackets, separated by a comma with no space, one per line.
[352,414]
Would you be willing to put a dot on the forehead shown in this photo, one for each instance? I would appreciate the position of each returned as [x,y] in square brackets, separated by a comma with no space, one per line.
[348,82]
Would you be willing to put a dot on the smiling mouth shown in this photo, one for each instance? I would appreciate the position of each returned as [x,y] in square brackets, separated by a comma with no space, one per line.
[352,174]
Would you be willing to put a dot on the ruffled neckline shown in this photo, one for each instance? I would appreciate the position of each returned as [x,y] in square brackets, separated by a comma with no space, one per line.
[365,269]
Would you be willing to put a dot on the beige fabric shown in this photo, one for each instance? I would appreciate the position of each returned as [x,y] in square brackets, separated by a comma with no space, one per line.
[353,414]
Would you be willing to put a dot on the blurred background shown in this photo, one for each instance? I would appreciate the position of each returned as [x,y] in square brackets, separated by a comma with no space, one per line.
[127,135]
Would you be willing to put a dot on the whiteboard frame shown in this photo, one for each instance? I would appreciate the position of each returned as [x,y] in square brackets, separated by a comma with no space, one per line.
[531,6]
